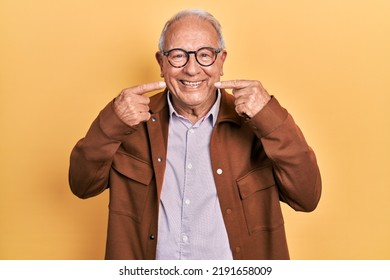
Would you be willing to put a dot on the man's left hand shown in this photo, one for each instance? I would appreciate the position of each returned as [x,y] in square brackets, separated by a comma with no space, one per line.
[250,96]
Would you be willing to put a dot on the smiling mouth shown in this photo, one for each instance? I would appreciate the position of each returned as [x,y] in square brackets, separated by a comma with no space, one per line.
[191,84]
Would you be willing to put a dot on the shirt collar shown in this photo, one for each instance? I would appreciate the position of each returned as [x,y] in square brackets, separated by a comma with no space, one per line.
[213,113]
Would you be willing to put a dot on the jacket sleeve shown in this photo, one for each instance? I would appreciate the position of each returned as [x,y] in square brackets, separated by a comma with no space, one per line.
[91,158]
[295,165]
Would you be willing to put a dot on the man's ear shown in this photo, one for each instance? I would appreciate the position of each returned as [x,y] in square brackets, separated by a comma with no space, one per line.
[159,59]
[223,55]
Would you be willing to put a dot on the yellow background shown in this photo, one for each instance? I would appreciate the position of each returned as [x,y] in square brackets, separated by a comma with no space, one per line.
[328,63]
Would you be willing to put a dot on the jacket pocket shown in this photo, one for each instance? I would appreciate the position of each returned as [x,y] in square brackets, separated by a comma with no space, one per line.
[130,182]
[260,200]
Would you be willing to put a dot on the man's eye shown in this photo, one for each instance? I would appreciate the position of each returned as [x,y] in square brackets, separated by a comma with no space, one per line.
[177,56]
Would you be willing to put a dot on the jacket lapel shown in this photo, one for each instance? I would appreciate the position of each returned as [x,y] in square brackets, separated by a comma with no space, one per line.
[157,127]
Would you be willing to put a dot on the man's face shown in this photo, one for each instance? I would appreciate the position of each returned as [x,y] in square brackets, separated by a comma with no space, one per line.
[192,86]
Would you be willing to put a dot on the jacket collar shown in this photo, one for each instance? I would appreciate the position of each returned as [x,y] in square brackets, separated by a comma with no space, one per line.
[158,102]
[227,112]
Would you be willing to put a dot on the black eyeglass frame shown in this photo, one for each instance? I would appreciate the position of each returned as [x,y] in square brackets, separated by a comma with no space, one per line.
[217,51]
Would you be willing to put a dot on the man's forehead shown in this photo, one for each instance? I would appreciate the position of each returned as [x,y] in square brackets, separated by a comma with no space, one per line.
[191,28]
[192,22]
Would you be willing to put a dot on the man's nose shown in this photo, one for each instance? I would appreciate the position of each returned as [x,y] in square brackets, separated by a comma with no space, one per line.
[192,67]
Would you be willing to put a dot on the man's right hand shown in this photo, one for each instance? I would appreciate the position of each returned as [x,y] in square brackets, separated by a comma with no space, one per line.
[131,105]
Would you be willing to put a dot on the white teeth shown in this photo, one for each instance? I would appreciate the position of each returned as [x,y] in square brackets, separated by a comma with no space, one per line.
[192,84]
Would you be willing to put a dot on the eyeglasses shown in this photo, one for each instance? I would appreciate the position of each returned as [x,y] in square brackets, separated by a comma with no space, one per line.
[204,56]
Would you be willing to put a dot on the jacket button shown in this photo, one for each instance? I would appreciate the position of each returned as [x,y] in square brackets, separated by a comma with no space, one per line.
[159,159]
[238,249]
[152,237]
[219,171]
[228,211]
[153,119]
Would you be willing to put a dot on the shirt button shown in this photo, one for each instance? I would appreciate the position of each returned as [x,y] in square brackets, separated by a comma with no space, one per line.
[189,166]
[191,130]
[187,202]
[185,238]
[219,171]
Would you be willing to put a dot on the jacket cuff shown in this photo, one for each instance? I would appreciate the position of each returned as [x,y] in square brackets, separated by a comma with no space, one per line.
[269,118]
[111,125]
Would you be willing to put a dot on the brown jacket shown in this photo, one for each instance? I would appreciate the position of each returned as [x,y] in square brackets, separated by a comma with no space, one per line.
[256,164]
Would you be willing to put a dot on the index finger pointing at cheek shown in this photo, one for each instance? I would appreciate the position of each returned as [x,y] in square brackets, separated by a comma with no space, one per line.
[233,84]
[145,88]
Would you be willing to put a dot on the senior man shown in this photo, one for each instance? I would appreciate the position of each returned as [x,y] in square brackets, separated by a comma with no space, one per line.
[195,172]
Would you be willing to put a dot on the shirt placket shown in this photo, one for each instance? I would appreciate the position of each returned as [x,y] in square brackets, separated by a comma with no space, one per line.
[189,181]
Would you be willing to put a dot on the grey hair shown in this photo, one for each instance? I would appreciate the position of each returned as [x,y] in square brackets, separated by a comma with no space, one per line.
[202,14]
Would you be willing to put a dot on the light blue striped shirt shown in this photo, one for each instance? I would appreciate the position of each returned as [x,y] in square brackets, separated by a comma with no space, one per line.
[190,222]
